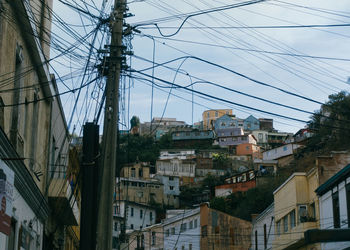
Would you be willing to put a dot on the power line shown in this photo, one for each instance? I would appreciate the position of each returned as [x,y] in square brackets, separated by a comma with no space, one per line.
[244,76]
[221,99]
[256,27]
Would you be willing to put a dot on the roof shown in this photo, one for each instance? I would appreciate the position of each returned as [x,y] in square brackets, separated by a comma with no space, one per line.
[334,180]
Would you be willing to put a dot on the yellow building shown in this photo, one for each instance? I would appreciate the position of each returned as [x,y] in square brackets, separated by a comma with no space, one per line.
[136,170]
[140,191]
[297,205]
[296,209]
[209,116]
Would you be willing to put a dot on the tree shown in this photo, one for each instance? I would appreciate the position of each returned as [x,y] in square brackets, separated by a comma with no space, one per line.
[134,121]
[331,124]
[133,148]
[135,125]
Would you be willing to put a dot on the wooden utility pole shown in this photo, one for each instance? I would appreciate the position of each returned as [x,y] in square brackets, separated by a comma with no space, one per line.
[110,126]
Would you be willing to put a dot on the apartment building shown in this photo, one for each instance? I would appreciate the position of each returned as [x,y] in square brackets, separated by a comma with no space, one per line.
[209,117]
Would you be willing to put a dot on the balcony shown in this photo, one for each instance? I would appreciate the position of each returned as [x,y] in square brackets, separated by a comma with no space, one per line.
[62,202]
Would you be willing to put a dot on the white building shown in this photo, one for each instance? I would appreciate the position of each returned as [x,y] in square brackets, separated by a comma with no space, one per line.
[334,199]
[176,167]
[177,154]
[135,216]
[25,208]
[182,231]
[138,215]
[263,232]
[279,152]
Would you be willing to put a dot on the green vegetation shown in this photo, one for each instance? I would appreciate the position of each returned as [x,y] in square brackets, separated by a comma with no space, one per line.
[133,148]
[244,204]
[330,124]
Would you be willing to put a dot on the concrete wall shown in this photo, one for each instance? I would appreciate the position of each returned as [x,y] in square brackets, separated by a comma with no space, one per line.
[222,231]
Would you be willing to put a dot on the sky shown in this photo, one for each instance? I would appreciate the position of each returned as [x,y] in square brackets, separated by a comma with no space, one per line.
[238,56]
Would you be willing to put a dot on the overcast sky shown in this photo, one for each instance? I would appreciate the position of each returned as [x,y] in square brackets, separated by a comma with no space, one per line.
[265,54]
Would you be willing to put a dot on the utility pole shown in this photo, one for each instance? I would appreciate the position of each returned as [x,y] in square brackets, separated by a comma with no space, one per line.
[110,126]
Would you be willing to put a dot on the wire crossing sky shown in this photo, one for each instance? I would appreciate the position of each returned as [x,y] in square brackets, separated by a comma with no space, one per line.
[299,49]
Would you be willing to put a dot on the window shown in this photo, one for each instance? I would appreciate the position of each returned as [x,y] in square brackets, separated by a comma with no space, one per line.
[171,178]
[140,172]
[195,223]
[171,187]
[285,223]
[183,227]
[208,114]
[190,224]
[133,172]
[142,241]
[265,237]
[336,211]
[12,237]
[189,246]
[292,219]
[131,226]
[173,231]
[153,238]
[278,227]
[204,231]
[167,233]
[183,248]
[132,212]
[285,148]
[313,210]
[141,213]
[302,213]
[256,240]
[115,226]
[114,242]
[216,114]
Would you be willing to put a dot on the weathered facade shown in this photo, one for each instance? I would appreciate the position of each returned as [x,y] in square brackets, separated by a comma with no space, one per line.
[27,111]
[222,231]
[136,170]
